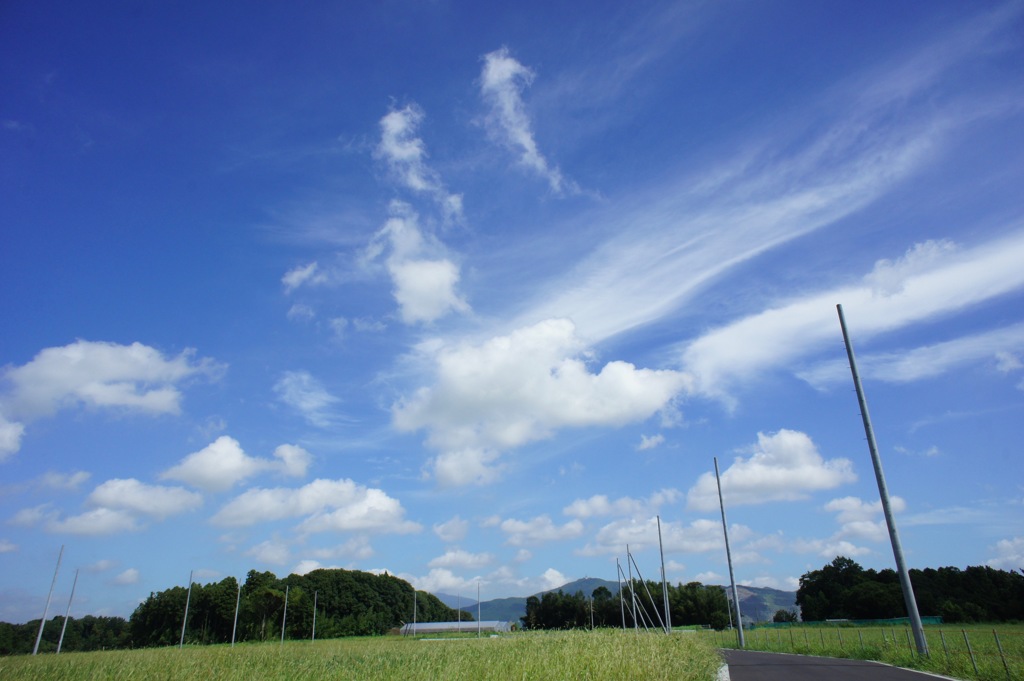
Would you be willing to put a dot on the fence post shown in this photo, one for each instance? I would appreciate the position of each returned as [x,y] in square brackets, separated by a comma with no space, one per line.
[1001,656]
[840,632]
[806,642]
[909,644]
[860,637]
[822,632]
[945,650]
[970,652]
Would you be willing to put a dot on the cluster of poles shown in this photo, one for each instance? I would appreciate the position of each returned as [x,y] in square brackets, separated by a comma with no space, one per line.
[636,605]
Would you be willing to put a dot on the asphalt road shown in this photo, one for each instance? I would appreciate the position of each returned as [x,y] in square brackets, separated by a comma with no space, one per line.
[752,666]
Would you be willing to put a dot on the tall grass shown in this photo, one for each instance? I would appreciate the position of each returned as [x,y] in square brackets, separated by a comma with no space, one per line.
[562,656]
[948,647]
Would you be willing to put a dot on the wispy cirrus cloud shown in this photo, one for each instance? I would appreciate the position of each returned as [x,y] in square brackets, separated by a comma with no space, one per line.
[306,395]
[502,81]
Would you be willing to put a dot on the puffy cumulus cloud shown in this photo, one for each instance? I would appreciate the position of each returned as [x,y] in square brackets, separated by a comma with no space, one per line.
[514,389]
[424,278]
[859,519]
[406,157]
[326,505]
[11,433]
[783,466]
[304,567]
[134,377]
[138,498]
[829,548]
[442,580]
[453,530]
[458,558]
[306,395]
[539,530]
[699,536]
[222,464]
[303,275]
[502,81]
[97,522]
[1009,554]
[601,505]
[129,576]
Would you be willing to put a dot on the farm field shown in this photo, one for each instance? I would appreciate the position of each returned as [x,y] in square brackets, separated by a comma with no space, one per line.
[610,654]
[951,647]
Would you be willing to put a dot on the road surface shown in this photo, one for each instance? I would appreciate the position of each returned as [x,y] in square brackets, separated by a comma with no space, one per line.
[747,665]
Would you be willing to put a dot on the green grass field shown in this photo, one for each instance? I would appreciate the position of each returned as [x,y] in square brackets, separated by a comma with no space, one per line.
[562,656]
[948,648]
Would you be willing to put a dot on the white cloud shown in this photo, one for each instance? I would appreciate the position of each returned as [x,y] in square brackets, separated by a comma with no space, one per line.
[457,558]
[443,580]
[101,565]
[97,522]
[860,519]
[301,313]
[601,505]
[424,279]
[223,464]
[406,157]
[306,566]
[1009,554]
[303,275]
[129,576]
[7,547]
[511,390]
[502,82]
[138,498]
[11,433]
[829,548]
[270,551]
[452,530]
[650,442]
[327,505]
[306,395]
[1007,362]
[947,281]
[539,530]
[134,377]
[699,536]
[783,466]
[68,481]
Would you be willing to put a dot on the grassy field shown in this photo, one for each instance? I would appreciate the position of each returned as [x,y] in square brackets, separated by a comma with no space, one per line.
[562,656]
[948,647]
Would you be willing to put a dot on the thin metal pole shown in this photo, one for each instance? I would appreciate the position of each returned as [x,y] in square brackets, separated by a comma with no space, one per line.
[622,607]
[184,619]
[284,617]
[728,559]
[883,492]
[313,637]
[632,589]
[478,608]
[664,581]
[234,627]
[46,609]
[67,613]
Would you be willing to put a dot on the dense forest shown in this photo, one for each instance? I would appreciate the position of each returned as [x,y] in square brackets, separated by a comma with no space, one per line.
[692,603]
[348,603]
[844,590]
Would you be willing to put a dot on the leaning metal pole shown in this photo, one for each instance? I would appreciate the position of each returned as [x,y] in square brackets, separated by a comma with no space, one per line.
[664,581]
[728,559]
[184,619]
[883,492]
[42,622]
[67,613]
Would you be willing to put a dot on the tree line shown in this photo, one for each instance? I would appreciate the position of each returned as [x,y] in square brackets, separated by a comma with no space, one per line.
[845,590]
[689,604]
[348,603]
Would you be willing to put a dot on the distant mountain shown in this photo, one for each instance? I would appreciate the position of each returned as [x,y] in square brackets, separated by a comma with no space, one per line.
[757,603]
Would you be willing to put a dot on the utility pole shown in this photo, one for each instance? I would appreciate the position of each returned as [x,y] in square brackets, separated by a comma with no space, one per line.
[46,609]
[728,559]
[883,492]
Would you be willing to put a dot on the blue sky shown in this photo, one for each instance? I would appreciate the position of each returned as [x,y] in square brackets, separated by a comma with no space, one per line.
[471,292]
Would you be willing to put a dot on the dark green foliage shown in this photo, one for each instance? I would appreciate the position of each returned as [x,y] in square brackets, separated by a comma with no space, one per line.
[844,590]
[690,604]
[348,603]
[784,616]
[82,634]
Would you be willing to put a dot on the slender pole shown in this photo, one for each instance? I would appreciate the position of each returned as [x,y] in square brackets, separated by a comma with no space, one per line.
[67,613]
[414,604]
[234,627]
[883,492]
[632,590]
[184,619]
[622,607]
[46,609]
[313,637]
[728,559]
[664,581]
[284,617]
[478,608]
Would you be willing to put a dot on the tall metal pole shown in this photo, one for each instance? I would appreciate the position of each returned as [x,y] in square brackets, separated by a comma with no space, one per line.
[67,613]
[664,581]
[883,492]
[622,606]
[632,590]
[284,617]
[728,559]
[313,637]
[478,608]
[184,619]
[46,609]
[234,627]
